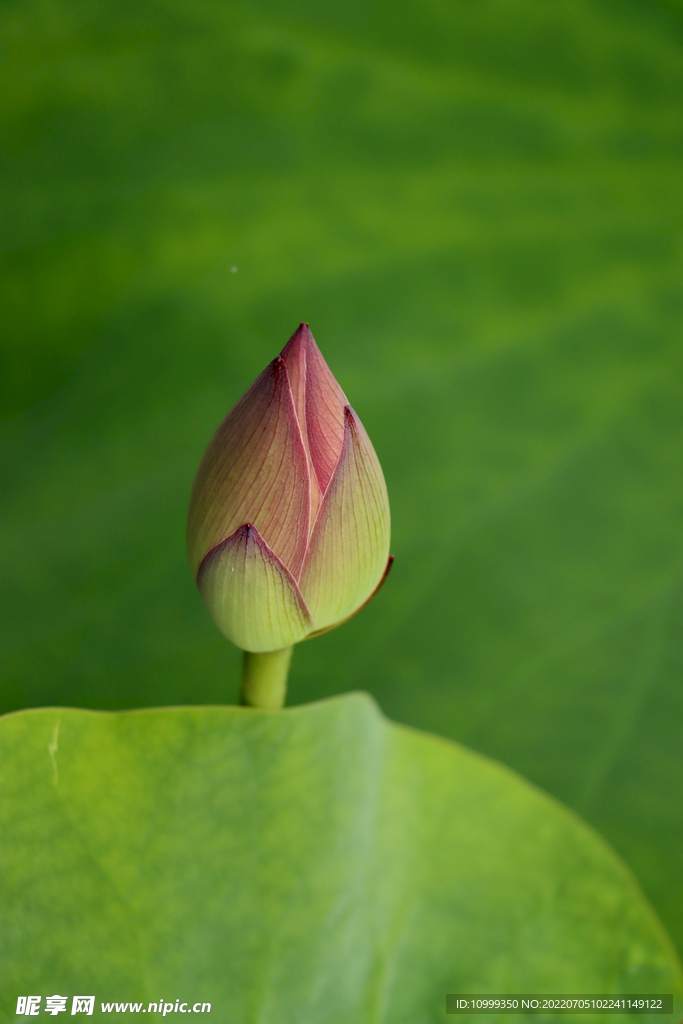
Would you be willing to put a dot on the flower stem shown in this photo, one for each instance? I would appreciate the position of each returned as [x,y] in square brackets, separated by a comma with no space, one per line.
[264,678]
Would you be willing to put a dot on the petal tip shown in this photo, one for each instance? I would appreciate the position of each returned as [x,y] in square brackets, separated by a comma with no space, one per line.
[302,338]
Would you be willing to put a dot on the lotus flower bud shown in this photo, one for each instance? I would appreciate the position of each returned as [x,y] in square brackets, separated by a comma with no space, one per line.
[288,531]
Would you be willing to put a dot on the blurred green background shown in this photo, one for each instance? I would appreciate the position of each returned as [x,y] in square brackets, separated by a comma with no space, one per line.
[478,206]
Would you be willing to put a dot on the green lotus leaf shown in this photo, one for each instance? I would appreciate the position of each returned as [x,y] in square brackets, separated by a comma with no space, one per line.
[318,865]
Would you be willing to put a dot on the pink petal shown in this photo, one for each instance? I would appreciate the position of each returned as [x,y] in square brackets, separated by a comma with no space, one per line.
[349,547]
[294,355]
[250,594]
[255,470]
[319,402]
